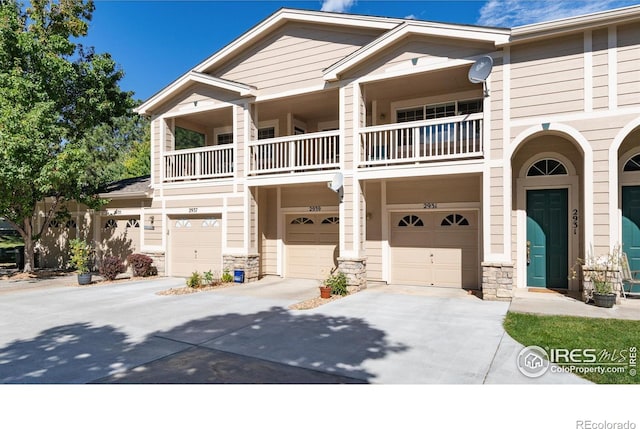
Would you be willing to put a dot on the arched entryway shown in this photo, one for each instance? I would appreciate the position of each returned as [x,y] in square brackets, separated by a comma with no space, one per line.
[629,197]
[548,201]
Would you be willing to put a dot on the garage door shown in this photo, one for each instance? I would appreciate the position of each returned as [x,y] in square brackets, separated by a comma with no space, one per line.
[120,236]
[312,245]
[195,245]
[435,249]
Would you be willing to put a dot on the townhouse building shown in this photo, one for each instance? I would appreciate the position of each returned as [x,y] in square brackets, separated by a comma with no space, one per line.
[437,180]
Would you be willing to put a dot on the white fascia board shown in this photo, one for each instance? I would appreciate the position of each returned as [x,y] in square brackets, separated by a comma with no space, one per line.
[477,34]
[527,33]
[194,77]
[284,15]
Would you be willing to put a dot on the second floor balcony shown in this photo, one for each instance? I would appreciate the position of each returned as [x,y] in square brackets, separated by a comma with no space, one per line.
[422,141]
[290,154]
[198,163]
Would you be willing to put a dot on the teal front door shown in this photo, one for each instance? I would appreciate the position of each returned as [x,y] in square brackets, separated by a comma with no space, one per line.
[631,225]
[547,238]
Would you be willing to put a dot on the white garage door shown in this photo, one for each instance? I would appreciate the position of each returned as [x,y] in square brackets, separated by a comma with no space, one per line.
[435,249]
[196,245]
[120,236]
[312,245]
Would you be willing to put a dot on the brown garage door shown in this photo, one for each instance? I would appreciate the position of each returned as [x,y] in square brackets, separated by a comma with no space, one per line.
[312,245]
[195,245]
[435,248]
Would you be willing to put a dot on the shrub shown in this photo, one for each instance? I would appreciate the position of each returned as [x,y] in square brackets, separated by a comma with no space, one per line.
[338,284]
[195,281]
[226,277]
[81,253]
[111,267]
[141,265]
[211,278]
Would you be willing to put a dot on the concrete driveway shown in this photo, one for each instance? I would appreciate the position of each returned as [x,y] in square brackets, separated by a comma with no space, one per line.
[126,333]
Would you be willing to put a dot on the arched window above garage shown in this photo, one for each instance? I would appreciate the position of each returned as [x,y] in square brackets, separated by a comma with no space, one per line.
[454,219]
[54,223]
[208,223]
[547,167]
[71,224]
[411,220]
[111,224]
[331,220]
[633,164]
[183,223]
[133,223]
[301,221]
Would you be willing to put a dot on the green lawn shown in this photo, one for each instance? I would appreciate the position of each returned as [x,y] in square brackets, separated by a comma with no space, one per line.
[10,241]
[614,336]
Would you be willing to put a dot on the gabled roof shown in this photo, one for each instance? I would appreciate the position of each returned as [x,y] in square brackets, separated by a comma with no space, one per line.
[527,33]
[283,16]
[127,188]
[194,77]
[422,28]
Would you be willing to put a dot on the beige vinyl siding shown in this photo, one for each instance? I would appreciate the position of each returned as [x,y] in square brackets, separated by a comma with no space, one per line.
[196,203]
[294,57]
[253,221]
[628,62]
[496,210]
[497,105]
[235,229]
[128,204]
[547,77]
[153,237]
[435,189]
[423,49]
[347,221]
[268,215]
[304,196]
[240,141]
[196,93]
[373,244]
[600,69]
[156,125]
[346,148]
[212,189]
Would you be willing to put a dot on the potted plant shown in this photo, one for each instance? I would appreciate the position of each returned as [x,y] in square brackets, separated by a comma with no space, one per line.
[334,284]
[81,253]
[599,274]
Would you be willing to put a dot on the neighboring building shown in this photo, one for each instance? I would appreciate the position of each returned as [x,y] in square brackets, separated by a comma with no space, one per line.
[444,183]
[115,230]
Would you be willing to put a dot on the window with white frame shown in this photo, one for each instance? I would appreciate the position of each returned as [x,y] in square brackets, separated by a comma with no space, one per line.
[440,110]
[224,138]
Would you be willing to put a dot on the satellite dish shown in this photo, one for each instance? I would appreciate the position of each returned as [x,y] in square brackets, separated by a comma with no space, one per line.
[480,71]
[336,183]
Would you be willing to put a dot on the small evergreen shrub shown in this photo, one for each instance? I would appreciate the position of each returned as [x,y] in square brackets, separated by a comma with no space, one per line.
[141,265]
[210,278]
[111,267]
[226,277]
[195,281]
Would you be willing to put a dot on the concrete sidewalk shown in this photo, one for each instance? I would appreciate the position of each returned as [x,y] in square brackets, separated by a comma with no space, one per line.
[126,333]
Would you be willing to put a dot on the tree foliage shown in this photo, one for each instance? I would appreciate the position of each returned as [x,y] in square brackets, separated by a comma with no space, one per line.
[54,94]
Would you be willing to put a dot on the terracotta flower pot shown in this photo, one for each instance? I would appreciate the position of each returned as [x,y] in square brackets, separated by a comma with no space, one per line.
[325,292]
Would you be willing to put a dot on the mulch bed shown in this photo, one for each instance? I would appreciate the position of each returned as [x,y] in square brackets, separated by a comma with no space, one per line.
[187,290]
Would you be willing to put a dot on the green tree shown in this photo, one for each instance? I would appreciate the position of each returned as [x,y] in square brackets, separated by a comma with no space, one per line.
[53,94]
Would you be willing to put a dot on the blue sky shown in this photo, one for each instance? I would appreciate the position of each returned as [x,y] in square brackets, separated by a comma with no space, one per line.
[155,42]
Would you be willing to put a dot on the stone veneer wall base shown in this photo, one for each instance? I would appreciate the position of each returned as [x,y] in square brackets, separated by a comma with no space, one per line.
[497,281]
[249,263]
[355,269]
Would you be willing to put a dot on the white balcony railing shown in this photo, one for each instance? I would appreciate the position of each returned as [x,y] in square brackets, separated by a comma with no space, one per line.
[423,141]
[315,151]
[199,163]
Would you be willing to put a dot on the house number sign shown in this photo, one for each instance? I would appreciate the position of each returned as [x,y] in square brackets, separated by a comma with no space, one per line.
[314,208]
[574,221]
[430,205]
[193,210]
